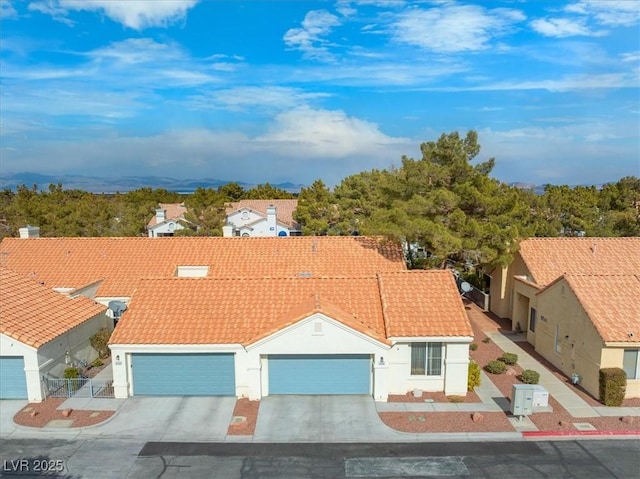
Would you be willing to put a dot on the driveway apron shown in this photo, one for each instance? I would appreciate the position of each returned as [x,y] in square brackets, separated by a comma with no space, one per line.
[319,419]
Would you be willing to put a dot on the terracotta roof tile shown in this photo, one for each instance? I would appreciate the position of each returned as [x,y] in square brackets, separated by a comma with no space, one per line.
[612,303]
[243,311]
[423,303]
[284,209]
[174,211]
[35,314]
[549,258]
[120,262]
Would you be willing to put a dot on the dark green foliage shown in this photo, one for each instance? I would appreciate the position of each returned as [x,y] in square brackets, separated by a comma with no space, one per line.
[509,358]
[529,376]
[71,373]
[613,385]
[486,340]
[495,367]
[473,376]
[100,342]
[97,363]
[473,346]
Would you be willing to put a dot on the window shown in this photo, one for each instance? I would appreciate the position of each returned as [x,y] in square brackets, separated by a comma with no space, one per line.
[426,359]
[630,363]
[557,340]
[532,320]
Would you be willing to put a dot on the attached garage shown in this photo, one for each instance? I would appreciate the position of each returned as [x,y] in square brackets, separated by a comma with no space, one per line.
[189,374]
[13,382]
[320,374]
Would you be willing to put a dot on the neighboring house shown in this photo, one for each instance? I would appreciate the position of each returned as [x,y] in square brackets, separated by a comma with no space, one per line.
[43,330]
[578,300]
[260,218]
[317,315]
[167,220]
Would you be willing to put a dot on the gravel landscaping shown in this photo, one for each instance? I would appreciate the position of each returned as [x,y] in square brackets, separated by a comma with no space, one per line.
[40,414]
[245,416]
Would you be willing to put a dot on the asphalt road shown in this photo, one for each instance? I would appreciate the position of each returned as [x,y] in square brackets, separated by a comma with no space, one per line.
[111,458]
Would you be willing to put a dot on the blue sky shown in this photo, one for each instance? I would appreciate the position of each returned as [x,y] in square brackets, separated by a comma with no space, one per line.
[262,91]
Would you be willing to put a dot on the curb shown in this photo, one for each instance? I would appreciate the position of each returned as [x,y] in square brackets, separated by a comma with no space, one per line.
[537,434]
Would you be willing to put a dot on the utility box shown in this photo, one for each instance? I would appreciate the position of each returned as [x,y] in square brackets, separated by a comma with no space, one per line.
[540,396]
[522,399]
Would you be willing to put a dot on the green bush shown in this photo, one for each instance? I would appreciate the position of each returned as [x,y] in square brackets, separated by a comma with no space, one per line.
[613,385]
[473,346]
[486,340]
[97,363]
[473,377]
[496,367]
[529,376]
[509,358]
[71,373]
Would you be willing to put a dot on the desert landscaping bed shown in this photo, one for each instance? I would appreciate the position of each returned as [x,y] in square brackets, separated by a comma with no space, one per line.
[40,414]
[245,416]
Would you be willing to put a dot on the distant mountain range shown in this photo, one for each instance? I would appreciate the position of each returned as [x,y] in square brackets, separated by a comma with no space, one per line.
[122,184]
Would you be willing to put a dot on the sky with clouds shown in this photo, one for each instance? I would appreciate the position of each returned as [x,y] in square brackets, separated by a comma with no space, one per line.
[272,91]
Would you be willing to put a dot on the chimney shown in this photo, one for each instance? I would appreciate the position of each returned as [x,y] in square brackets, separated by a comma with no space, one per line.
[272,225]
[29,232]
[227,231]
[161,215]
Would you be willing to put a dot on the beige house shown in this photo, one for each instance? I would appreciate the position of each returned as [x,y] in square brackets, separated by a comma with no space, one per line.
[167,220]
[578,300]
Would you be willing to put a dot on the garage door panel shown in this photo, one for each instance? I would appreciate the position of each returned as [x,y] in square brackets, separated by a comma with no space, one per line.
[13,382]
[183,374]
[320,374]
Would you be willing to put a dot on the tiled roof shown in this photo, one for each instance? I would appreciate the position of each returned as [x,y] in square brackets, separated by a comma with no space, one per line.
[120,262]
[549,258]
[174,211]
[34,314]
[423,303]
[612,303]
[232,311]
[284,208]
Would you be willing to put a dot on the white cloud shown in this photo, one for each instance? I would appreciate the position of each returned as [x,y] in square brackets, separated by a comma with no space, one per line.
[310,38]
[252,97]
[559,27]
[135,14]
[631,57]
[612,13]
[7,11]
[454,28]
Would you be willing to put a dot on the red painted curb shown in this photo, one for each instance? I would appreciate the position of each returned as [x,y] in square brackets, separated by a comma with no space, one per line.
[579,433]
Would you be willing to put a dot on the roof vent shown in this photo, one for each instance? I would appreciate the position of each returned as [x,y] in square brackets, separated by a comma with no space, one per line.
[305,274]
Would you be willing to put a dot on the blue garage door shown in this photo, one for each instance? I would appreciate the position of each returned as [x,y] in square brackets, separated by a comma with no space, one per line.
[184,375]
[13,383]
[320,374]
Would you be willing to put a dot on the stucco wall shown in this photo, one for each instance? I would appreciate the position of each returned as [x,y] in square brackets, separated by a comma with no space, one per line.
[580,345]
[170,226]
[501,287]
[317,334]
[613,358]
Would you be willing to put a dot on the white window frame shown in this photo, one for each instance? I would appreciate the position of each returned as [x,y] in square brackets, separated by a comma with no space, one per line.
[430,368]
[626,362]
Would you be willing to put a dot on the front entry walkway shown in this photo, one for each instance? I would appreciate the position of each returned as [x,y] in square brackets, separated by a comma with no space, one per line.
[319,419]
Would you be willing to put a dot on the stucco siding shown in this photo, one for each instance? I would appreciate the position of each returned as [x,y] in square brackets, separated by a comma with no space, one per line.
[580,346]
[501,287]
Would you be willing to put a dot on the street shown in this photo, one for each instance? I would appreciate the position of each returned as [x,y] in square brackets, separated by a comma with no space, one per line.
[112,458]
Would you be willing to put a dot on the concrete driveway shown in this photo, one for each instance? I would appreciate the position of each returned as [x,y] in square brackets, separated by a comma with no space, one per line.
[320,419]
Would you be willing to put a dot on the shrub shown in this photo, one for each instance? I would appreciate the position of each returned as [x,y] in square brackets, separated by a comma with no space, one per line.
[613,385]
[509,358]
[496,367]
[71,373]
[486,340]
[97,363]
[100,342]
[473,346]
[473,377]
[455,399]
[529,376]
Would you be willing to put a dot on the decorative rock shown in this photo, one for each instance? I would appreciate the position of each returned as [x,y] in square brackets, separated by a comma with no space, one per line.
[67,412]
[627,419]
[477,417]
[417,393]
[511,372]
[564,424]
[33,413]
